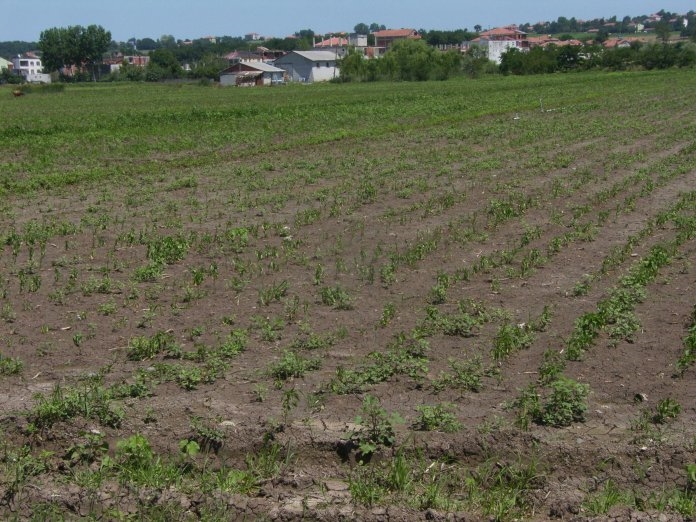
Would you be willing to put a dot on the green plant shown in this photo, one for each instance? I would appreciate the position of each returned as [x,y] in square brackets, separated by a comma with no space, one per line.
[273,293]
[292,365]
[308,340]
[141,348]
[10,365]
[260,392]
[376,428]
[666,410]
[551,367]
[336,297]
[688,355]
[289,401]
[167,250]
[207,433]
[566,404]
[388,313]
[149,273]
[269,461]
[511,338]
[504,490]
[466,376]
[602,500]
[92,448]
[437,418]
[93,401]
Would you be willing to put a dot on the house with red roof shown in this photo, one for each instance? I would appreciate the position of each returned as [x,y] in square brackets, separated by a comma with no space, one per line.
[499,40]
[387,37]
[334,41]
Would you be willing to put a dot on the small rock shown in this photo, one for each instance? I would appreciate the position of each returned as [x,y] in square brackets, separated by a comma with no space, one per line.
[336,485]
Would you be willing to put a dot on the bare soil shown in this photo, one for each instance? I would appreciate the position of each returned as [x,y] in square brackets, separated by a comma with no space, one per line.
[351,245]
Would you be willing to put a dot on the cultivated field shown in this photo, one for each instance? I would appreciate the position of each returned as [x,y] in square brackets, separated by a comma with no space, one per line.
[468,299]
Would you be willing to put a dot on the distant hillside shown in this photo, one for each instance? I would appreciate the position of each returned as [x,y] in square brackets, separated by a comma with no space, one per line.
[10,49]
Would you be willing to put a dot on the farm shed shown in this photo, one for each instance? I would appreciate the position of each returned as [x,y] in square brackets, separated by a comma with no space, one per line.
[309,66]
[250,74]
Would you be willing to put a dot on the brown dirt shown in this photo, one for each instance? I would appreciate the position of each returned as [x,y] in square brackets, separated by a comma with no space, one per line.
[575,461]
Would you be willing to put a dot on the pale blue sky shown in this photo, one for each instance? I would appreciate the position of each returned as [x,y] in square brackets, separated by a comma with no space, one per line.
[25,19]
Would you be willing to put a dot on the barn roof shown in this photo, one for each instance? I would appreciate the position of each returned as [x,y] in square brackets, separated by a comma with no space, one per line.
[317,56]
[259,66]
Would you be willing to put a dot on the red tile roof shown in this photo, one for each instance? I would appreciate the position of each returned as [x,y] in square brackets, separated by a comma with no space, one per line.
[332,42]
[396,33]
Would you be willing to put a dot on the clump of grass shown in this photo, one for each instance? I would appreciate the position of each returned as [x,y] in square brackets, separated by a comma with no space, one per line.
[336,297]
[292,365]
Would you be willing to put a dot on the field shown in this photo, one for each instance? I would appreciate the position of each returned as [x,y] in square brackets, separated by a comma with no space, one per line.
[457,300]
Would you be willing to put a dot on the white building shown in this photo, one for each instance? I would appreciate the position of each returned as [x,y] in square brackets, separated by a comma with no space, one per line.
[309,66]
[29,66]
[499,40]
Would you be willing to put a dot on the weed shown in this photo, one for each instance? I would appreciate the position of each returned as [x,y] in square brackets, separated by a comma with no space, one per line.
[466,376]
[207,434]
[376,428]
[269,461]
[10,365]
[388,313]
[504,491]
[511,338]
[149,273]
[142,348]
[91,402]
[289,401]
[273,293]
[312,341]
[437,418]
[551,367]
[167,250]
[90,450]
[292,365]
[260,392]
[336,297]
[566,404]
[666,410]
[601,501]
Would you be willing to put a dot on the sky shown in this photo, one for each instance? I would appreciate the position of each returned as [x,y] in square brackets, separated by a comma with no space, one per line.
[25,19]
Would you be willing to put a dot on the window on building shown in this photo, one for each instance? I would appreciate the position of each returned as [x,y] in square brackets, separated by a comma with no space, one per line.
[24,63]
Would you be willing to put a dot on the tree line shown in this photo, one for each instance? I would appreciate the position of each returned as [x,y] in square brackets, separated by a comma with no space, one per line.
[551,59]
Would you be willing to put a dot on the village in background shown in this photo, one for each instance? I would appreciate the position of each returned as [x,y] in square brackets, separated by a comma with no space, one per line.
[361,55]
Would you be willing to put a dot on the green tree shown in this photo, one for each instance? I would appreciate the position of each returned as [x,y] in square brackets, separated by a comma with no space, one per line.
[352,67]
[53,45]
[414,59]
[163,64]
[93,43]
[146,44]
[663,30]
[167,41]
[361,28]
[209,66]
[73,45]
